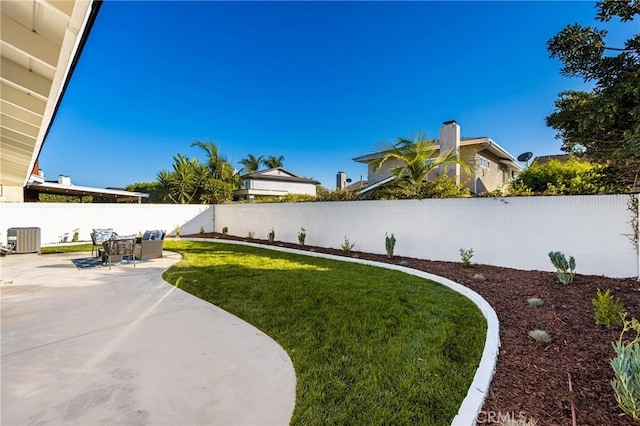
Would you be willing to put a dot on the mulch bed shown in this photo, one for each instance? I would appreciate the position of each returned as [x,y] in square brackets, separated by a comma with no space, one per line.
[533,378]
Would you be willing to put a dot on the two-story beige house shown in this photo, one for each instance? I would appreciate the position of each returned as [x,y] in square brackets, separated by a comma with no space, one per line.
[492,166]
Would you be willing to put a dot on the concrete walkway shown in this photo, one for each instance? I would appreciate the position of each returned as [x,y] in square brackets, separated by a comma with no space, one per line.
[123,347]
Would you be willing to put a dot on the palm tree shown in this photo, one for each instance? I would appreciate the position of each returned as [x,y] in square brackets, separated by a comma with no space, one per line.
[218,165]
[272,162]
[185,181]
[251,164]
[417,157]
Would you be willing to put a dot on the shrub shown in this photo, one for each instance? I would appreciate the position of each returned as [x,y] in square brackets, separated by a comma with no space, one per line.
[626,369]
[251,234]
[565,270]
[347,245]
[540,336]
[287,198]
[390,244]
[444,187]
[76,236]
[535,301]
[271,235]
[465,257]
[225,230]
[559,178]
[302,235]
[202,229]
[176,229]
[324,194]
[608,309]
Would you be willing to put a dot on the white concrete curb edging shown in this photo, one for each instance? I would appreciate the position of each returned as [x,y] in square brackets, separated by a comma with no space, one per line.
[472,403]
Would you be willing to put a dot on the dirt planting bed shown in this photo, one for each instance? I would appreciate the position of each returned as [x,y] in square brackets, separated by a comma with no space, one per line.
[532,378]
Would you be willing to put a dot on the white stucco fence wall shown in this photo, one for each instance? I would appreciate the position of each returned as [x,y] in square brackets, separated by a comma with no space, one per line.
[515,232]
[56,219]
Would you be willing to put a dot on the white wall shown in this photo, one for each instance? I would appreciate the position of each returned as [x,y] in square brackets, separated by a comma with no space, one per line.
[56,219]
[516,232]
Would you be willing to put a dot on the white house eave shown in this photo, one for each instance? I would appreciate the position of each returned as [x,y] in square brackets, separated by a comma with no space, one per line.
[86,190]
[40,40]
[377,184]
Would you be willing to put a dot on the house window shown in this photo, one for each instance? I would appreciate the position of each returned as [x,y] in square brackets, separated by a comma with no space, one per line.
[484,163]
[247,184]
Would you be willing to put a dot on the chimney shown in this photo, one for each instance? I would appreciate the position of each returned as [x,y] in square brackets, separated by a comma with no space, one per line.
[64,180]
[341,180]
[450,141]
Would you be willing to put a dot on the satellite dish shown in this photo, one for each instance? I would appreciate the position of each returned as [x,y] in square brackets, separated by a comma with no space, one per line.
[525,156]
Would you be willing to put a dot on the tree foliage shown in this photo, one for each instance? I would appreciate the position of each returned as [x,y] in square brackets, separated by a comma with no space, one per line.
[157,194]
[251,163]
[602,125]
[191,181]
[416,158]
[554,177]
[273,162]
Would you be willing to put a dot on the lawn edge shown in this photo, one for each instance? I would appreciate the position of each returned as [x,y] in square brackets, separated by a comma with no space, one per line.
[477,393]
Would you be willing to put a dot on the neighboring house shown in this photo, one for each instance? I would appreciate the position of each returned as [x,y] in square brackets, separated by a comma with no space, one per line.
[546,158]
[274,182]
[492,166]
[37,184]
[344,184]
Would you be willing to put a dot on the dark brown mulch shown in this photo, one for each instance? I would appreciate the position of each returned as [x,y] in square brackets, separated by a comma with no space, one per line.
[533,378]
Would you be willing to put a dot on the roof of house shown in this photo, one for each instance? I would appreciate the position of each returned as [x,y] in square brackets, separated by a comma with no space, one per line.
[546,158]
[485,143]
[278,174]
[356,186]
[53,187]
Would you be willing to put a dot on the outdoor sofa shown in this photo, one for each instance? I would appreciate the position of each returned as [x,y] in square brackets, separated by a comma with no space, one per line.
[149,246]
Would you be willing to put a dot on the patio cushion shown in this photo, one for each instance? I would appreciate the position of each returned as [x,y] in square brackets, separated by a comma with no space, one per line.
[153,235]
[101,235]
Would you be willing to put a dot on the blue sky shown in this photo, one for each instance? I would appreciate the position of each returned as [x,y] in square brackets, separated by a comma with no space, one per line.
[316,82]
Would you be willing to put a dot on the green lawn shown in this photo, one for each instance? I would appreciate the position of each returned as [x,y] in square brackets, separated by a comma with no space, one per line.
[66,249]
[369,345]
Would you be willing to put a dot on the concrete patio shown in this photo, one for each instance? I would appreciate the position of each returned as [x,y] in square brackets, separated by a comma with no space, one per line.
[122,346]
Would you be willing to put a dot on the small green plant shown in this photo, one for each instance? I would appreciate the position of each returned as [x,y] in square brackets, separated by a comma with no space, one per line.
[608,309]
[202,229]
[302,235]
[540,336]
[225,230]
[76,235]
[626,369]
[535,302]
[390,244]
[347,245]
[565,270]
[465,257]
[251,234]
[271,235]
[176,229]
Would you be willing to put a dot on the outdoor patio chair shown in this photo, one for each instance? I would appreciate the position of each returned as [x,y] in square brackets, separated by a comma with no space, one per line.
[150,245]
[99,236]
[116,249]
